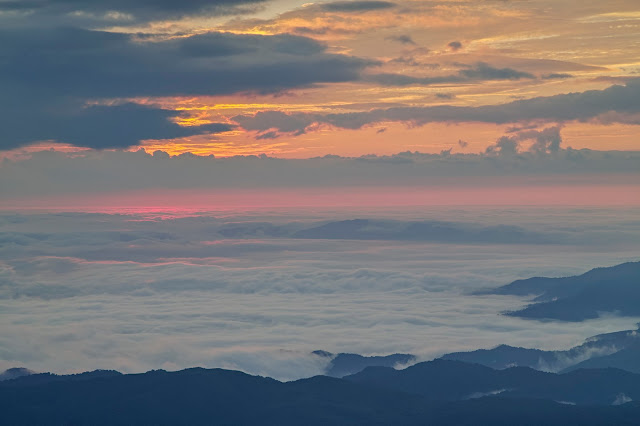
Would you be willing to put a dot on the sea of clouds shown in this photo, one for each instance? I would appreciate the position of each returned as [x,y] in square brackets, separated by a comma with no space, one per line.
[257,291]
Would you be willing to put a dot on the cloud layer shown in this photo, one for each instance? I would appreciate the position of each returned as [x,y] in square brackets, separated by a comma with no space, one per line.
[529,157]
[135,292]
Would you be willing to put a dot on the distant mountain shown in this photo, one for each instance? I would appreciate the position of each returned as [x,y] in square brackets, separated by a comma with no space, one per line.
[255,229]
[455,380]
[602,290]
[45,378]
[444,380]
[625,359]
[13,373]
[505,356]
[372,229]
[390,230]
[204,397]
[603,347]
[345,364]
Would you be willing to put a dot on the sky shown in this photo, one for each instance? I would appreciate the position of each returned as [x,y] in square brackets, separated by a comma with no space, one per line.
[299,80]
[161,162]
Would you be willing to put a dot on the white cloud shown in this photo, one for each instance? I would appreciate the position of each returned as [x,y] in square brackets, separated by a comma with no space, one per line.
[72,300]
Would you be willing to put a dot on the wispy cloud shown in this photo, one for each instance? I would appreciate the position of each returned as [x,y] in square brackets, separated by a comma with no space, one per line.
[615,102]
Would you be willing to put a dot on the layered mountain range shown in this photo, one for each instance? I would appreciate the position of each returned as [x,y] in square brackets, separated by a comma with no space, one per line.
[438,392]
[612,290]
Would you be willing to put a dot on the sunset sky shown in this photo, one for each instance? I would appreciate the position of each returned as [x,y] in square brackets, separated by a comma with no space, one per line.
[298,80]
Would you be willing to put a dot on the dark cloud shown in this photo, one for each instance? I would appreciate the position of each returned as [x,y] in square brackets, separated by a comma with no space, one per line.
[516,129]
[265,120]
[389,79]
[455,46]
[619,79]
[546,141]
[505,145]
[616,104]
[463,144]
[356,6]
[403,39]
[101,64]
[268,135]
[445,95]
[484,71]
[125,10]
[477,72]
[556,76]
[412,61]
[613,117]
[48,75]
[99,126]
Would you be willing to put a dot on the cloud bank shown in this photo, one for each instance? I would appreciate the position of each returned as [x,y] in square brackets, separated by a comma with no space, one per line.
[543,163]
[53,77]
[617,103]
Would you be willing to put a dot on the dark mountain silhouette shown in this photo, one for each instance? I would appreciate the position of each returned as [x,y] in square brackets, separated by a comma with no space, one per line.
[44,378]
[505,356]
[13,373]
[455,380]
[204,397]
[345,364]
[625,359]
[603,347]
[442,380]
[602,290]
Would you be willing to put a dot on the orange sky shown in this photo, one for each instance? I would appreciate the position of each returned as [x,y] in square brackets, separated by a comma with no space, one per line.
[393,138]
[588,40]
[533,48]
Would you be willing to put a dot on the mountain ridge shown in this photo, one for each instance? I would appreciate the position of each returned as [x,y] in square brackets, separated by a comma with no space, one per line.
[199,396]
[602,290]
